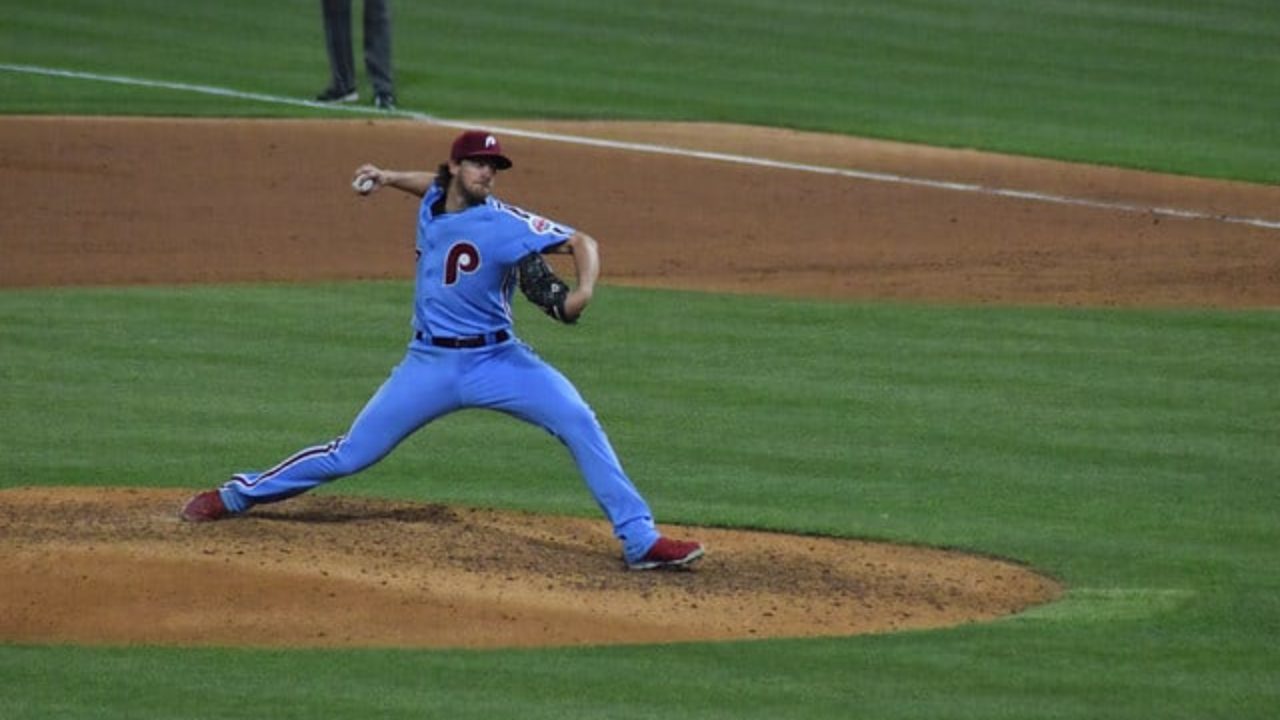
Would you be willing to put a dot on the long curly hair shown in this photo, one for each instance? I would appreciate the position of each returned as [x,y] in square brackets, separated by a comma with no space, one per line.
[443,179]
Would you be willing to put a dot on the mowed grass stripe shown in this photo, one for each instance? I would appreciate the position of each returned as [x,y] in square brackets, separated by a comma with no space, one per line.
[1188,89]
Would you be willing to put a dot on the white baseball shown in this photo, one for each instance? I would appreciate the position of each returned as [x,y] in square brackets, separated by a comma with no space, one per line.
[362,185]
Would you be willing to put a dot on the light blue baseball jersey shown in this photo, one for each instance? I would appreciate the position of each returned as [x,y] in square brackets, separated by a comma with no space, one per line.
[467,261]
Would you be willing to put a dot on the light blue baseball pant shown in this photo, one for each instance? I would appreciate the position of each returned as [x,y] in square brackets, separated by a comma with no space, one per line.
[431,382]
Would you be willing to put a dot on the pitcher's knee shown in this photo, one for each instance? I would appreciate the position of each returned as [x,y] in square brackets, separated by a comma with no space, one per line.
[578,421]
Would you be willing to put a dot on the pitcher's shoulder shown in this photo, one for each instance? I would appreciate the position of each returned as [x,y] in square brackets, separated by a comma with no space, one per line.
[536,224]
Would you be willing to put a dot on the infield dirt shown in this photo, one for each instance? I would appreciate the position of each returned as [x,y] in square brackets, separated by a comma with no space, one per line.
[137,201]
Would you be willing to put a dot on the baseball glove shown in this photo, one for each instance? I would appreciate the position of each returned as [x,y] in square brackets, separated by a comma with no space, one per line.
[540,284]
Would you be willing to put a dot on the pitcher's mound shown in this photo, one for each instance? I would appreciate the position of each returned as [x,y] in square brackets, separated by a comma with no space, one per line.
[96,565]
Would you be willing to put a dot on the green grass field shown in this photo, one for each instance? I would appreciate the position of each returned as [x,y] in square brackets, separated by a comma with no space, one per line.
[1130,453]
[1127,453]
[1172,85]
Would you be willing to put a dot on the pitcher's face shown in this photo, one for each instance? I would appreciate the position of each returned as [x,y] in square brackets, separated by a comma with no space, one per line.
[474,178]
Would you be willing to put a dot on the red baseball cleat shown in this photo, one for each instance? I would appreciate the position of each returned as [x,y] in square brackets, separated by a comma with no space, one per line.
[205,507]
[667,553]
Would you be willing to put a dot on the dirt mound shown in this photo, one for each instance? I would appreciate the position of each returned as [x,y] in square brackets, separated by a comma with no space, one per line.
[88,565]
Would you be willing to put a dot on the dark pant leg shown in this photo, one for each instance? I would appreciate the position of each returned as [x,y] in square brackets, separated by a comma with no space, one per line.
[377,45]
[337,41]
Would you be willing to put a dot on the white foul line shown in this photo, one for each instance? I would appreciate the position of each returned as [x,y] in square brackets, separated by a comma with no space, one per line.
[665,150]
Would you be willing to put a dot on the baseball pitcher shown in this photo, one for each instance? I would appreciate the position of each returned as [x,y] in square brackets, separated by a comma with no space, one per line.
[472,252]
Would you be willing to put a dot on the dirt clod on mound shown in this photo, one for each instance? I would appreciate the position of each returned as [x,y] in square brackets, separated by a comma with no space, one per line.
[92,565]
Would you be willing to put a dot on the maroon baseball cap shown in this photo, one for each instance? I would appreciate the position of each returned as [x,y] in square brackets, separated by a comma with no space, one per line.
[476,144]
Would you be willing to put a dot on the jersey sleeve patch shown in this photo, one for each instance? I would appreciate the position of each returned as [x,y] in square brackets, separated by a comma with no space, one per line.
[538,225]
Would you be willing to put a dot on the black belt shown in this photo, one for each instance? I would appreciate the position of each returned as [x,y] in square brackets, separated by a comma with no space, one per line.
[469,341]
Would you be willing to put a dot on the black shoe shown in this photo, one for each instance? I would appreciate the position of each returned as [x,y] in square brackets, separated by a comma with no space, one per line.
[384,101]
[334,95]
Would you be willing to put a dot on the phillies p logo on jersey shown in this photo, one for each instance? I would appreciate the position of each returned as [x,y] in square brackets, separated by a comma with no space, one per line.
[463,257]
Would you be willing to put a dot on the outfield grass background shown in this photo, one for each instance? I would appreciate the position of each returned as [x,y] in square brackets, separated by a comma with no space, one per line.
[1174,85]
[1129,453]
